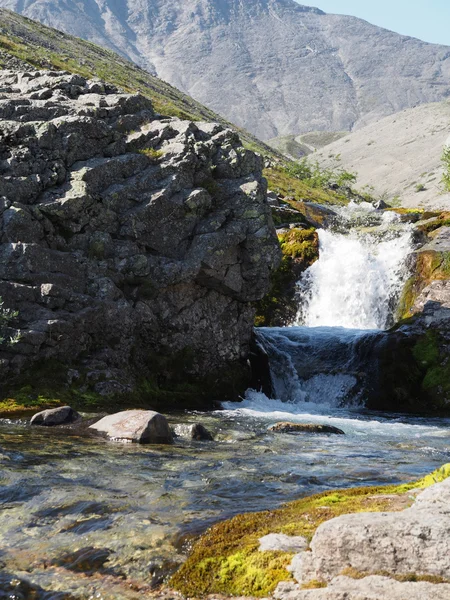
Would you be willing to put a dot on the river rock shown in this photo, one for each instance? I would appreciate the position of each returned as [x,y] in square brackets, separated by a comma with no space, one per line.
[133,247]
[416,540]
[368,588]
[55,416]
[195,431]
[282,543]
[285,427]
[139,426]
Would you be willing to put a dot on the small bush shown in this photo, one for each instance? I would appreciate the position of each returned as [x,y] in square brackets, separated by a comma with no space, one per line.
[446,164]
[6,316]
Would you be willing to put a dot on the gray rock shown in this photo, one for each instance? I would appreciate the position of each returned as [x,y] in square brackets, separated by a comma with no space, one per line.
[368,588]
[285,427]
[413,541]
[193,432]
[138,426]
[123,237]
[281,78]
[55,416]
[283,543]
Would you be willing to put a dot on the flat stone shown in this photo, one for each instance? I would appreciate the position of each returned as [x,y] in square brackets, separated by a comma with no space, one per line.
[55,416]
[283,543]
[285,427]
[368,588]
[138,426]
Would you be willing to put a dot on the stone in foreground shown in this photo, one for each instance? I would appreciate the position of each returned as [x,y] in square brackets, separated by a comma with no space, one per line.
[62,415]
[138,426]
[278,542]
[196,432]
[286,427]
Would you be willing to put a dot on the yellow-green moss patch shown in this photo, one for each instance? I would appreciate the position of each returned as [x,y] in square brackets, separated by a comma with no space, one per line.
[227,559]
[300,248]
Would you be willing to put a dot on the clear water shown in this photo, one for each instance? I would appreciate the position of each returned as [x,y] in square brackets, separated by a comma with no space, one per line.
[61,492]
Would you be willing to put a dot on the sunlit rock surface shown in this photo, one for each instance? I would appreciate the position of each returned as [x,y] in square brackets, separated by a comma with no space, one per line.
[123,236]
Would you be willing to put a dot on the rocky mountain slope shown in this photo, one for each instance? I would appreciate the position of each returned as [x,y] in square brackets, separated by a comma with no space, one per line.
[398,157]
[27,44]
[273,66]
[132,247]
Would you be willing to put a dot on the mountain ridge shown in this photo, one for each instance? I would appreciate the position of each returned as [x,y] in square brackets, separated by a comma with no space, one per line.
[274,67]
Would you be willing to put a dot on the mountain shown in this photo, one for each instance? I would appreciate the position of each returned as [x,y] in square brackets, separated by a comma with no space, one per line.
[274,67]
[25,42]
[398,157]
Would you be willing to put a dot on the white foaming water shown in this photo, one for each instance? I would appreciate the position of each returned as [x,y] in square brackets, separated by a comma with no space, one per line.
[359,276]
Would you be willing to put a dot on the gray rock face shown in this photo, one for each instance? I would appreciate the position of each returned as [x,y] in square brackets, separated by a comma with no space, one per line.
[124,237]
[414,541]
[137,426]
[272,66]
[55,416]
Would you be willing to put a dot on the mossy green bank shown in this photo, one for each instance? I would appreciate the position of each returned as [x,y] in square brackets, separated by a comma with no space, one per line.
[227,560]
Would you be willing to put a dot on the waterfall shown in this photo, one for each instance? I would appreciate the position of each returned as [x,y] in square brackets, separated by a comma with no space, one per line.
[357,281]
[347,298]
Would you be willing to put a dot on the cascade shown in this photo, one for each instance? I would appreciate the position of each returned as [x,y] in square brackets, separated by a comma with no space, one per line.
[347,299]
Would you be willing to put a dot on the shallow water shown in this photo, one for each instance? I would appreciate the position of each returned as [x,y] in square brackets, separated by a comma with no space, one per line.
[61,492]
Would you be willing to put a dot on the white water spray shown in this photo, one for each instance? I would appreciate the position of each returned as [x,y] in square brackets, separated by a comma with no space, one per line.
[357,281]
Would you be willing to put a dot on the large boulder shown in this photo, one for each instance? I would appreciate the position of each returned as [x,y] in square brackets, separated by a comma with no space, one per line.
[414,541]
[133,247]
[55,416]
[137,426]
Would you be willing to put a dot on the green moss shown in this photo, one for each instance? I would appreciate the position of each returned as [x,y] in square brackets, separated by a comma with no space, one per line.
[294,189]
[435,366]
[170,383]
[407,577]
[152,154]
[300,248]
[227,560]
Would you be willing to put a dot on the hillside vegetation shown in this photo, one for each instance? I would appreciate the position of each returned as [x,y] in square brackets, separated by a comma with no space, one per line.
[45,47]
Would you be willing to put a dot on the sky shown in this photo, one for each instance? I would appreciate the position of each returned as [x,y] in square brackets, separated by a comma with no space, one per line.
[428,20]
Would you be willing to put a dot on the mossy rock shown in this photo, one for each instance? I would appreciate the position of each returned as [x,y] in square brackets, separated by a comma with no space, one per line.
[168,385]
[227,560]
[430,265]
[300,249]
[433,360]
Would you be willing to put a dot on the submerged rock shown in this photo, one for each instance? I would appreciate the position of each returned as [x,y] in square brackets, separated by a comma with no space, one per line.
[138,426]
[285,427]
[55,416]
[15,588]
[195,431]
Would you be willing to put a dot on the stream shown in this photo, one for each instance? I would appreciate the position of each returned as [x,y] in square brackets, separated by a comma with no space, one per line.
[140,507]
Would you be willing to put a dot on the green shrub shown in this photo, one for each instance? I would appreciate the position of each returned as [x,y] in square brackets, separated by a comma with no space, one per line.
[446,164]
[6,316]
